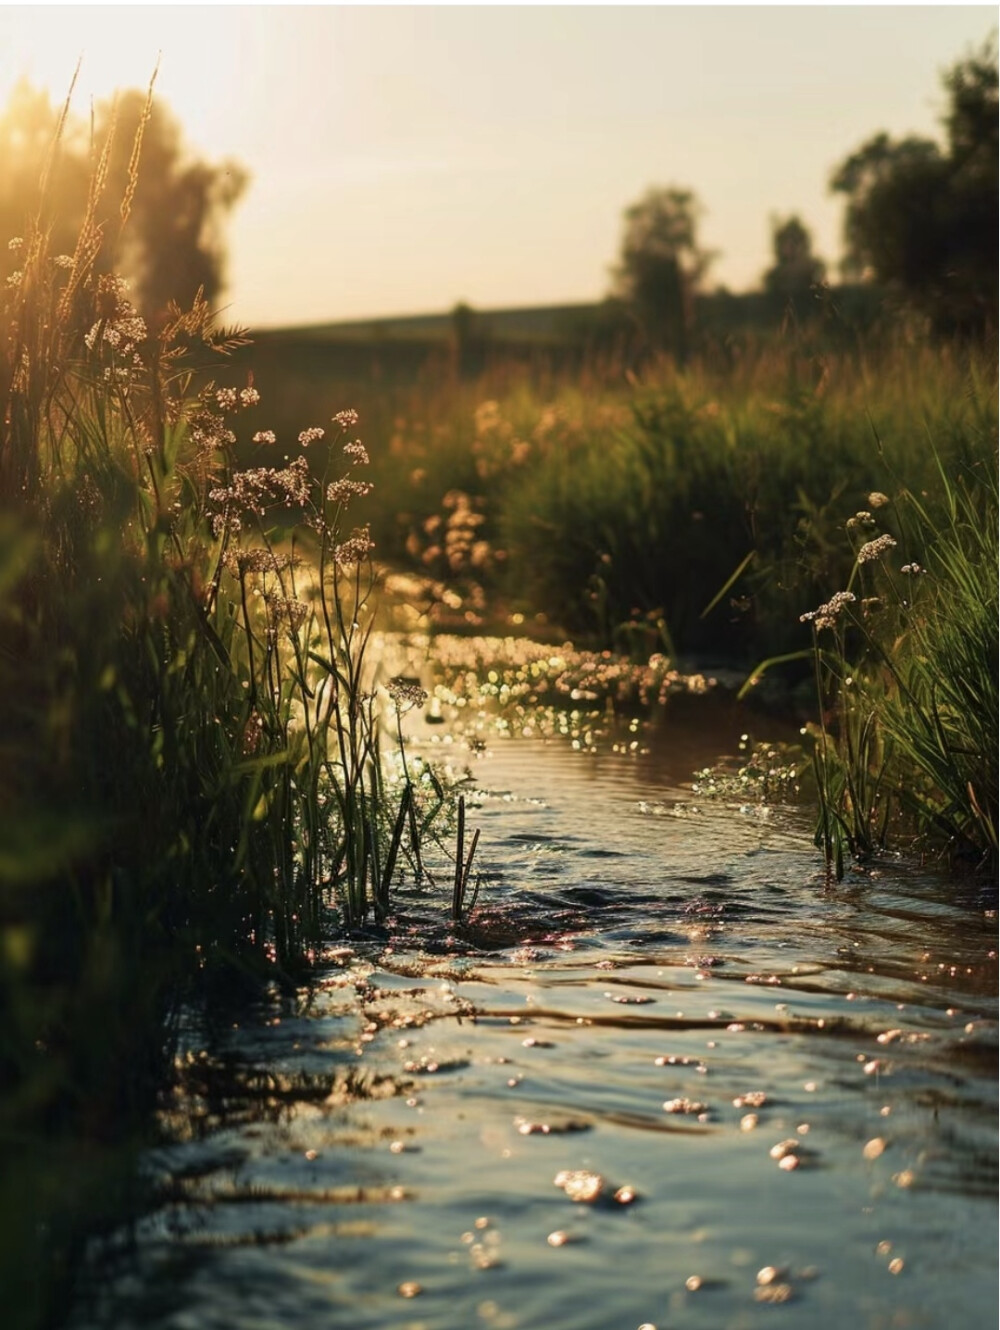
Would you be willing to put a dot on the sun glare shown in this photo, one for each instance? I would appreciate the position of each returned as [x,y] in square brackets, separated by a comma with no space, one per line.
[44,45]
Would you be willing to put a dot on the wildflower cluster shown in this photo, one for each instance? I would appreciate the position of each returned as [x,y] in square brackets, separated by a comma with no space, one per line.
[827,615]
[285,612]
[256,490]
[355,549]
[874,549]
[342,491]
[119,326]
[454,536]
[406,694]
[257,560]
[496,446]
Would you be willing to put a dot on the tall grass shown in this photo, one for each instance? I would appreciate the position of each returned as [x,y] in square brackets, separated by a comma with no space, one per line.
[191,776]
[907,656]
[621,504]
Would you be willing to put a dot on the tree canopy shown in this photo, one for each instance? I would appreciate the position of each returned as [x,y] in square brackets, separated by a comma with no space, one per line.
[173,243]
[922,218]
[662,265]
[796,272]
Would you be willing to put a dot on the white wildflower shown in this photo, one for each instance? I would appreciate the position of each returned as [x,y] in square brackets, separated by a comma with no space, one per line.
[356,548]
[343,490]
[265,436]
[357,452]
[346,419]
[406,693]
[826,616]
[309,436]
[877,499]
[249,396]
[874,549]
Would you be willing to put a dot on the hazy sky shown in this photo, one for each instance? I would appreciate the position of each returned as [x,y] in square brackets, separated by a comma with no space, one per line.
[404,158]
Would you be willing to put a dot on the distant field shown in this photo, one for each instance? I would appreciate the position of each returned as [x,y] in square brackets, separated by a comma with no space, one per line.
[718,313]
[545,322]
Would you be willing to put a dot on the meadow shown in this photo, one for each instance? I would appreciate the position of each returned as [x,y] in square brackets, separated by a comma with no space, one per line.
[201,780]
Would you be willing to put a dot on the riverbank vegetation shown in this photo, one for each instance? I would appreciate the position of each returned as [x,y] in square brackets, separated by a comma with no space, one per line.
[195,780]
[191,780]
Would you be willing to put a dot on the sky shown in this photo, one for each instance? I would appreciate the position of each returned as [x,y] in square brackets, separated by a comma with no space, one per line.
[403,158]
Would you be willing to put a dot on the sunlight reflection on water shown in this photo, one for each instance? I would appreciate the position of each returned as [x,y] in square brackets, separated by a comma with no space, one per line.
[793,1083]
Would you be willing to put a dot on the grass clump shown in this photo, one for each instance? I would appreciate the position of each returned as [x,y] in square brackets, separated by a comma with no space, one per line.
[906,657]
[191,778]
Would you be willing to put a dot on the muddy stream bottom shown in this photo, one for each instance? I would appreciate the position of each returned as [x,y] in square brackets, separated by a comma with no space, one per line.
[670,1078]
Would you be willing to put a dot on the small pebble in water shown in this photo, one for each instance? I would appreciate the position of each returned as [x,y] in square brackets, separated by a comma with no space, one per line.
[884,1111]
[752,1099]
[397,1148]
[410,1289]
[896,1265]
[625,1195]
[482,1222]
[811,1087]
[770,1274]
[789,1163]
[874,1148]
[580,1186]
[684,1106]
[647,1325]
[693,1283]
[312,1154]
[558,1239]
[883,1248]
[784,1148]
[748,1121]
[905,1179]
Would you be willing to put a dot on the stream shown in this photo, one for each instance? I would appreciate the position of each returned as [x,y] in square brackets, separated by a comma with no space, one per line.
[669,1078]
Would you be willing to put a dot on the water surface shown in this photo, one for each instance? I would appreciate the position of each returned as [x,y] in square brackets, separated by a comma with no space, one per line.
[773,1097]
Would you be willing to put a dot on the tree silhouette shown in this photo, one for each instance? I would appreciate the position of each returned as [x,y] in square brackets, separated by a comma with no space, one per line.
[173,243]
[796,272]
[662,266]
[922,218]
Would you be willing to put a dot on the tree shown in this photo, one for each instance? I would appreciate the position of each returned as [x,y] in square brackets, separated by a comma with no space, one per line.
[922,218]
[173,242]
[662,266]
[796,272]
